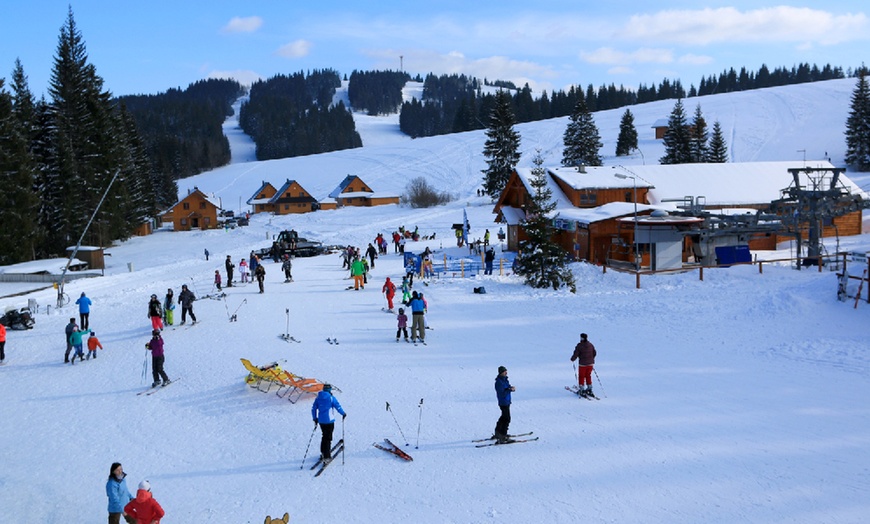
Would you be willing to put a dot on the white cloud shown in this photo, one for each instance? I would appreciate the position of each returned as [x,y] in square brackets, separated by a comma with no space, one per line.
[243,25]
[244,77]
[644,55]
[692,59]
[295,49]
[727,24]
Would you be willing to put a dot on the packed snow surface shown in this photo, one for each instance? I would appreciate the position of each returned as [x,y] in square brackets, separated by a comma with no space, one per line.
[737,398]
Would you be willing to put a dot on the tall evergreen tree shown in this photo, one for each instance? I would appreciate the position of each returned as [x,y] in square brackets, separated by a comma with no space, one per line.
[717,149]
[17,198]
[677,149]
[502,146]
[858,125]
[541,260]
[698,137]
[581,138]
[627,140]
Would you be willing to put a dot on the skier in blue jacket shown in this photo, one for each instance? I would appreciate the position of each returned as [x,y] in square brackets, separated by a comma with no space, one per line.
[321,412]
[503,390]
[84,304]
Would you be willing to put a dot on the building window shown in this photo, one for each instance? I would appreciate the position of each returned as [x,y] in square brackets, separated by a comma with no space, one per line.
[207,220]
[186,206]
[628,196]
[588,199]
[183,221]
[202,205]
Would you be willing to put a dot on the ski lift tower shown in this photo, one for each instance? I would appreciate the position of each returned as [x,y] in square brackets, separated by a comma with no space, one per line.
[814,196]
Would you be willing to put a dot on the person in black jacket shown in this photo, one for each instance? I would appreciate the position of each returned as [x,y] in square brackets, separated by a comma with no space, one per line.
[186,298]
[229,264]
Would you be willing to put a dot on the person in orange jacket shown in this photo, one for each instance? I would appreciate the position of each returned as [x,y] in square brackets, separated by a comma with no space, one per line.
[93,344]
[144,508]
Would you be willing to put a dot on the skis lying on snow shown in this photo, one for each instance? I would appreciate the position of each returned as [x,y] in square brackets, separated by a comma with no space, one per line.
[336,449]
[155,389]
[576,391]
[287,338]
[508,441]
[394,449]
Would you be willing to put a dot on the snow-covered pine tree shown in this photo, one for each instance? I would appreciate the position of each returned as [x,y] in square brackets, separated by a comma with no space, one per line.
[502,146]
[541,260]
[858,126]
[677,137]
[581,138]
[717,149]
[627,140]
[698,137]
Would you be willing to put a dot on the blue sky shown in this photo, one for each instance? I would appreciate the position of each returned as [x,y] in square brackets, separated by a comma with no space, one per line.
[148,47]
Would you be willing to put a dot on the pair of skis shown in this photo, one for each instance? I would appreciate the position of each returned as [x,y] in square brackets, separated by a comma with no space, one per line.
[150,391]
[576,391]
[336,449]
[511,439]
[394,449]
[286,335]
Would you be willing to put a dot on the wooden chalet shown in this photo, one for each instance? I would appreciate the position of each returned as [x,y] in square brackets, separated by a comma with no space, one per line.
[352,191]
[602,211]
[195,211]
[289,198]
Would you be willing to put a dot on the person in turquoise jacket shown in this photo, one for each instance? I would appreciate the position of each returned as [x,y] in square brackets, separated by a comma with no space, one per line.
[76,341]
[119,495]
[321,412]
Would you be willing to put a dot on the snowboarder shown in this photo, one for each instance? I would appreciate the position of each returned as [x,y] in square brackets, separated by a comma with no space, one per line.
[155,313]
[144,508]
[118,493]
[93,344]
[155,346]
[503,391]
[402,320]
[217,279]
[68,330]
[84,304]
[169,307]
[584,354]
[287,266]
[260,273]
[243,270]
[389,289]
[230,266]
[321,412]
[186,298]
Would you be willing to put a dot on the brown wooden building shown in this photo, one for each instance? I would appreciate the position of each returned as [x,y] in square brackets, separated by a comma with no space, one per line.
[288,199]
[352,191]
[195,211]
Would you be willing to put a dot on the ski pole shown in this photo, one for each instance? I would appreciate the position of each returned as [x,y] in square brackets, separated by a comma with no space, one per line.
[144,368]
[342,439]
[419,421]
[308,446]
[576,376]
[397,424]
[599,383]
[287,311]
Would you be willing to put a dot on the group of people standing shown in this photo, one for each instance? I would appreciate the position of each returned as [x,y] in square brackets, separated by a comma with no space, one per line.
[141,509]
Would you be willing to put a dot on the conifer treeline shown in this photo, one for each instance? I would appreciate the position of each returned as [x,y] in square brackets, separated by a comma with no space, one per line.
[59,156]
[292,115]
[376,92]
[182,130]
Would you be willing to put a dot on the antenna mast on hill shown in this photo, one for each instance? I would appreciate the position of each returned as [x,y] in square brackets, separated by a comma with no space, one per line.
[401,63]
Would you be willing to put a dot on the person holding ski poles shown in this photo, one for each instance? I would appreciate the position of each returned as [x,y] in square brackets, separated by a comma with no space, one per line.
[321,412]
[155,346]
[503,391]
[584,354]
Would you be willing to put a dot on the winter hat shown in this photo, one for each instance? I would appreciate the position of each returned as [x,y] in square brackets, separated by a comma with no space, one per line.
[501,369]
[93,334]
[145,485]
[401,310]
[83,293]
[327,387]
[155,332]
[583,336]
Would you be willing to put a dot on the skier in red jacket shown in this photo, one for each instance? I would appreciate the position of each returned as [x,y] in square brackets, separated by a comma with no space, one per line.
[144,508]
[584,354]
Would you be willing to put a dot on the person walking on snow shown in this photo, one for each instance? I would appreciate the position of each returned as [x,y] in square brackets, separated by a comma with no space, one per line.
[503,391]
[118,493]
[84,310]
[217,279]
[358,271]
[260,273]
[418,322]
[321,412]
[372,254]
[144,508]
[68,330]
[287,266]
[155,313]
[186,299]
[230,266]
[155,346]
[389,290]
[93,344]
[406,291]
[584,354]
[76,341]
